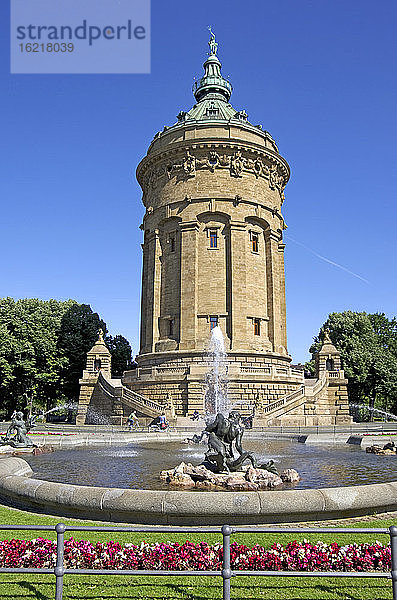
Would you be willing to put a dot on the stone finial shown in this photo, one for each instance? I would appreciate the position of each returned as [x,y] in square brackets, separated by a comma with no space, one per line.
[100,336]
[327,339]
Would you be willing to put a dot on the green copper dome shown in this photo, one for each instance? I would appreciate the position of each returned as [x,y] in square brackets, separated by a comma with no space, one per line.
[212,82]
[212,93]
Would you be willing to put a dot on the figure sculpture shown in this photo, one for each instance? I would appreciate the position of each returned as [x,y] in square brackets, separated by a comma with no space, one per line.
[224,438]
[189,164]
[212,43]
[16,434]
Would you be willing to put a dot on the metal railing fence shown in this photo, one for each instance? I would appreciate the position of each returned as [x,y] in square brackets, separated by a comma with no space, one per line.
[226,572]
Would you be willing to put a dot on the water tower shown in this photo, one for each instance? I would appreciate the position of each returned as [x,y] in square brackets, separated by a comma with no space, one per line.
[213,253]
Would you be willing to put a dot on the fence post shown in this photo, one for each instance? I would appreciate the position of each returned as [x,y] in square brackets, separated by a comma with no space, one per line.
[393,548]
[226,571]
[59,569]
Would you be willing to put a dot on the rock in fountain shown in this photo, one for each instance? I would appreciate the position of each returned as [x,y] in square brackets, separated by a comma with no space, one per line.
[388,449]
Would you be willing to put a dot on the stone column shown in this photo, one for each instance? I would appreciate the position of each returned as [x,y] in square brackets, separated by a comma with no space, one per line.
[283,308]
[87,386]
[189,285]
[151,290]
[143,300]
[238,283]
[275,291]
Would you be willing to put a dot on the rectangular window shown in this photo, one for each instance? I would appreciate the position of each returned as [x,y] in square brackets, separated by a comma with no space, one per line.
[213,322]
[171,327]
[257,326]
[172,243]
[213,238]
[212,113]
[255,242]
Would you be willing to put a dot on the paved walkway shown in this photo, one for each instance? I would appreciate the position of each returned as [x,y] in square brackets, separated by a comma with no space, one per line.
[387,516]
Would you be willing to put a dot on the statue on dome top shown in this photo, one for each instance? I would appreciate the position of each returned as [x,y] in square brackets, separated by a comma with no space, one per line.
[212,43]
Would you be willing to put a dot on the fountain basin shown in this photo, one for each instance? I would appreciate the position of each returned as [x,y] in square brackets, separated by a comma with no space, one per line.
[18,488]
[138,463]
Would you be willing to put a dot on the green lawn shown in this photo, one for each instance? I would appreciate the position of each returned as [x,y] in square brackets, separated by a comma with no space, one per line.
[93,587]
[96,587]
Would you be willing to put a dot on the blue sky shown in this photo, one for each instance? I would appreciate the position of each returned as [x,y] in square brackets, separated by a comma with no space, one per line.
[319,75]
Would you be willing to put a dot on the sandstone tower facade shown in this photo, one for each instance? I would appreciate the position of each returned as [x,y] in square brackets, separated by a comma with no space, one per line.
[213,253]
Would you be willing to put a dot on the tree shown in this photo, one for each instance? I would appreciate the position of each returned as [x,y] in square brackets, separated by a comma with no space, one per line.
[368,347]
[121,352]
[30,363]
[43,351]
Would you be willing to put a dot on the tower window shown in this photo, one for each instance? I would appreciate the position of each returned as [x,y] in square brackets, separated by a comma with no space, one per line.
[257,326]
[213,238]
[255,242]
[213,322]
[329,365]
[171,327]
[212,113]
[172,243]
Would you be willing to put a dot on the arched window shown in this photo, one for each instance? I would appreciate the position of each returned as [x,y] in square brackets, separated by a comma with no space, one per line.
[329,365]
[97,365]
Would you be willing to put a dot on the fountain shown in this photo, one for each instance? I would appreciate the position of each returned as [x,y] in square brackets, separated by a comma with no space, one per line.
[215,398]
[224,429]
[114,482]
[371,410]
[16,434]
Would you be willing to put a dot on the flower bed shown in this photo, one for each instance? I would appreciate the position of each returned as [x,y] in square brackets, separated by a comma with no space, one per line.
[295,556]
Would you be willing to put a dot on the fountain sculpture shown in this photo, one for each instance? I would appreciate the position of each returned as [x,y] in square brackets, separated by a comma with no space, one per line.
[16,434]
[225,436]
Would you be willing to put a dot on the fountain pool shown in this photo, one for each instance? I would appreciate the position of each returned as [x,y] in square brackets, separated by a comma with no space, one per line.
[127,466]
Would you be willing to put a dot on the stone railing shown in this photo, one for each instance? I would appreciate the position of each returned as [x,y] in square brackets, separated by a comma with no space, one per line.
[140,400]
[274,372]
[282,402]
[127,396]
[335,374]
[317,387]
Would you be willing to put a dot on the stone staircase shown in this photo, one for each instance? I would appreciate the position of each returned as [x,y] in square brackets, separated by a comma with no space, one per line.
[127,397]
[305,393]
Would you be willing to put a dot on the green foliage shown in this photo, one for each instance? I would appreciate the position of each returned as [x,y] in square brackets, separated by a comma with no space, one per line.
[121,354]
[43,346]
[30,363]
[368,347]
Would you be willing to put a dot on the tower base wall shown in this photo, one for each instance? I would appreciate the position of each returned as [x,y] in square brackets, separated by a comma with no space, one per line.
[252,379]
